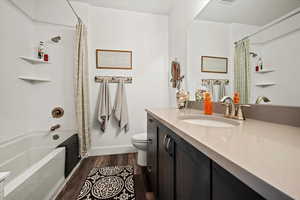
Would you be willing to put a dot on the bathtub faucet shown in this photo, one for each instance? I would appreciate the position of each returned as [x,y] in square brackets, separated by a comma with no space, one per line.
[53,128]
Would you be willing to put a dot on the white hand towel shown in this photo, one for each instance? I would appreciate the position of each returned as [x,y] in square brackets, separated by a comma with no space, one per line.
[105,110]
[120,109]
[222,90]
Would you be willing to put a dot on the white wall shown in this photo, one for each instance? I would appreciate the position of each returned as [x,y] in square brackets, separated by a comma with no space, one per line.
[28,7]
[207,39]
[15,99]
[26,107]
[147,36]
[60,91]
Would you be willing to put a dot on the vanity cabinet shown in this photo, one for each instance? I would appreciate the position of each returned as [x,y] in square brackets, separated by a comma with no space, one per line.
[178,171]
[192,173]
[165,164]
[152,130]
[226,186]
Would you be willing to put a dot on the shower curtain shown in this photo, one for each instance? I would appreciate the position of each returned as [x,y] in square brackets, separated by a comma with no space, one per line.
[81,88]
[242,73]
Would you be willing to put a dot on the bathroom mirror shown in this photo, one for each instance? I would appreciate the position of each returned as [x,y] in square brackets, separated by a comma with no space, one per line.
[212,64]
[261,41]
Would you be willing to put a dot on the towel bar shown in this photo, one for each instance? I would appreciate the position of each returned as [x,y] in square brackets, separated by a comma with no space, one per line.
[113,79]
[215,81]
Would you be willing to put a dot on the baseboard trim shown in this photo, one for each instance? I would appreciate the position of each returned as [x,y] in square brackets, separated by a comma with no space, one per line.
[111,150]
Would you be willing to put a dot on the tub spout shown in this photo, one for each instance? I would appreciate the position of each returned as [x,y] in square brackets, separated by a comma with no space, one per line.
[53,128]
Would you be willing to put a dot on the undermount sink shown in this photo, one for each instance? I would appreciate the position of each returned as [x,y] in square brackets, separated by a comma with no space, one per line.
[210,121]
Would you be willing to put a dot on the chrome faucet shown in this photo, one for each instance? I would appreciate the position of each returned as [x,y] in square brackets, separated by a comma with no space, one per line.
[234,111]
[262,98]
[230,107]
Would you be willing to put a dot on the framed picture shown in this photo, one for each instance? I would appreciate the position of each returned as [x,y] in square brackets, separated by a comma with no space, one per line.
[113,59]
[214,64]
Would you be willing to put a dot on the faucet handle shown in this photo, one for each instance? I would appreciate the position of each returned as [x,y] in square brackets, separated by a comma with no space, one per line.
[227,112]
[240,112]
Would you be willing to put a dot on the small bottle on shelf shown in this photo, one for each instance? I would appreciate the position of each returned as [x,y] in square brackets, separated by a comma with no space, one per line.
[41,50]
[46,55]
[260,64]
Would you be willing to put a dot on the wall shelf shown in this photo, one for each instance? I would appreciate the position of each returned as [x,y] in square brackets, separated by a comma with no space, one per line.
[34,79]
[265,84]
[266,71]
[34,60]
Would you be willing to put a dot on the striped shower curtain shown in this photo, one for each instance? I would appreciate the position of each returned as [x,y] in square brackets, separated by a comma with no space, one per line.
[81,88]
[242,72]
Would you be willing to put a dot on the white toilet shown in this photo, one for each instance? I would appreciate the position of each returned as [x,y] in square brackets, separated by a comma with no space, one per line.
[140,142]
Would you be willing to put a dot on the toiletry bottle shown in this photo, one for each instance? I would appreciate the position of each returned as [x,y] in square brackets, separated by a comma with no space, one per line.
[236,98]
[41,50]
[207,104]
[46,55]
[260,64]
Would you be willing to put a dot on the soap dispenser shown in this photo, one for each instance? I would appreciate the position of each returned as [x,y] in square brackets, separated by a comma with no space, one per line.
[207,104]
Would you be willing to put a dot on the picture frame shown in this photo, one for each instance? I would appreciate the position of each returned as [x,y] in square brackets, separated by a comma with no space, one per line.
[113,59]
[212,64]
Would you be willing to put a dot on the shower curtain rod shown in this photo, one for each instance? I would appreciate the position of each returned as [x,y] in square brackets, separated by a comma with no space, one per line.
[77,16]
[291,14]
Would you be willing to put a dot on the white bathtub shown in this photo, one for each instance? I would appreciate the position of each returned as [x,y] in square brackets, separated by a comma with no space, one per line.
[36,166]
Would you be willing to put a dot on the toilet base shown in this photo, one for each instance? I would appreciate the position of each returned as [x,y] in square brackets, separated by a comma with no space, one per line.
[142,158]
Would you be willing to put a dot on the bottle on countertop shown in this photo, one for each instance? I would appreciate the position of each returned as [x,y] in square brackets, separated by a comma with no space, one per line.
[207,104]
[41,50]
[236,98]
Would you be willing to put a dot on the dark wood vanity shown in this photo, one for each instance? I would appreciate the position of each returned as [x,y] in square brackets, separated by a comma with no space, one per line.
[178,171]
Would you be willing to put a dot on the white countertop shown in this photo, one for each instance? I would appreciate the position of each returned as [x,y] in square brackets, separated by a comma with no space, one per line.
[265,156]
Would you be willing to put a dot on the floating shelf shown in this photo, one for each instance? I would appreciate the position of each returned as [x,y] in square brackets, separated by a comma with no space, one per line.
[266,71]
[34,60]
[265,84]
[34,79]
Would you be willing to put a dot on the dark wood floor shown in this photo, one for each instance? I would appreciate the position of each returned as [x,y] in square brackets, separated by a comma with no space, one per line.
[73,186]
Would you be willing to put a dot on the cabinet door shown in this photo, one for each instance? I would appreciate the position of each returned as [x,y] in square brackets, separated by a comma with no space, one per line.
[152,153]
[226,186]
[193,173]
[165,165]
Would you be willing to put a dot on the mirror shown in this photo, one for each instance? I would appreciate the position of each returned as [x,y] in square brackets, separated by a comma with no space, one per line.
[212,64]
[260,39]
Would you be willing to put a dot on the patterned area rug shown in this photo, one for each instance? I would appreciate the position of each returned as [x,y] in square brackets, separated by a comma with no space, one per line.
[109,183]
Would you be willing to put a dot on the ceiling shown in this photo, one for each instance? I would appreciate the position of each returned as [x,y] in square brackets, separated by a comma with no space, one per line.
[252,12]
[149,6]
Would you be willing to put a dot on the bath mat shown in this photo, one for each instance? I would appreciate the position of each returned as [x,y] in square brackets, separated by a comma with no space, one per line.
[109,183]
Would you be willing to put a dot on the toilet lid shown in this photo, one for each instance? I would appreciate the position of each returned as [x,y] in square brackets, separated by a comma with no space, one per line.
[140,137]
